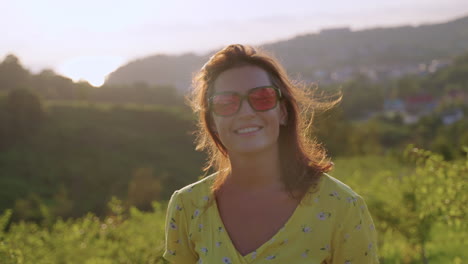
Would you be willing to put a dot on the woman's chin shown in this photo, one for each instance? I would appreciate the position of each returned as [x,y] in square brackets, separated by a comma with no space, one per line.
[252,148]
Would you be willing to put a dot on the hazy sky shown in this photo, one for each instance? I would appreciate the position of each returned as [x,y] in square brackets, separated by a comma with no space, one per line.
[88,39]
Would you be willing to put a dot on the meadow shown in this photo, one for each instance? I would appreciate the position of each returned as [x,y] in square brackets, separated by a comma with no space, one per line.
[129,235]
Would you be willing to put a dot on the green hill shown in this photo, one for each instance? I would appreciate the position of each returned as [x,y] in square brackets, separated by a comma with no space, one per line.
[310,55]
[76,156]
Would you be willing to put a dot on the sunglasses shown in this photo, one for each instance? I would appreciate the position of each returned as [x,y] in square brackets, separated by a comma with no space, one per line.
[261,99]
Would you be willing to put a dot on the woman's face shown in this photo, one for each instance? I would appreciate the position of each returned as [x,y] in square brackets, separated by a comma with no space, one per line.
[247,131]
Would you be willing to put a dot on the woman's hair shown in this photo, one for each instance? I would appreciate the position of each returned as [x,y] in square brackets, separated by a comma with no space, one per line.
[303,160]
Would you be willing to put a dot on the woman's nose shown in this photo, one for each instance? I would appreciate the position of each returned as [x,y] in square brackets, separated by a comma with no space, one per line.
[245,108]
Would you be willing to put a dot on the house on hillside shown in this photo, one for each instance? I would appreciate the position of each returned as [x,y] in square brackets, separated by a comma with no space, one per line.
[393,108]
[394,105]
[452,116]
[418,106]
[456,97]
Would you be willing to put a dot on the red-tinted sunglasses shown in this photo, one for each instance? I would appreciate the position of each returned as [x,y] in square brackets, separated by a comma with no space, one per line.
[261,99]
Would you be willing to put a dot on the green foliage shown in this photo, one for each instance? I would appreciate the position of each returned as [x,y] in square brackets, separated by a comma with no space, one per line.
[127,236]
[84,154]
[419,206]
[144,188]
[21,116]
[4,219]
[420,200]
[439,186]
[452,79]
[361,97]
[51,86]
[12,74]
[24,113]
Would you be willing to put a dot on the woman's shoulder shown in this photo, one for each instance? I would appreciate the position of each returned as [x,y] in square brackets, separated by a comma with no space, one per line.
[335,193]
[199,190]
[332,184]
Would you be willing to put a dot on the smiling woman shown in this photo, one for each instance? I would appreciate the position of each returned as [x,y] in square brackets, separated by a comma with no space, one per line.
[93,69]
[270,198]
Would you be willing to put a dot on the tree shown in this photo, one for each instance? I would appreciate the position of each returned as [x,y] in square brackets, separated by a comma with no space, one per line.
[12,74]
[24,113]
[143,189]
[433,193]
[361,97]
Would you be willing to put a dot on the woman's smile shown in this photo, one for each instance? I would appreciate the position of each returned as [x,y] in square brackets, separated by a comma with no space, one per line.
[247,131]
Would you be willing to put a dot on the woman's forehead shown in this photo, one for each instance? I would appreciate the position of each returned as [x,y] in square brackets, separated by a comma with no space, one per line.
[241,79]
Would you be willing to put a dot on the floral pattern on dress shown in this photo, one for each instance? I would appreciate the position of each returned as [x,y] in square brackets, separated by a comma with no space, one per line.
[332,226]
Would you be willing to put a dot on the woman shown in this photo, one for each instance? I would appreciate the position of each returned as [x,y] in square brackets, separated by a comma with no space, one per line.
[270,200]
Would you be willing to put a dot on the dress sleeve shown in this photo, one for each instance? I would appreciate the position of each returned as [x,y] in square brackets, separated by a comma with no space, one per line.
[178,248]
[356,239]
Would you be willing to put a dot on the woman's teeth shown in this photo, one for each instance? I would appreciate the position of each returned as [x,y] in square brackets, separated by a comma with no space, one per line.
[247,130]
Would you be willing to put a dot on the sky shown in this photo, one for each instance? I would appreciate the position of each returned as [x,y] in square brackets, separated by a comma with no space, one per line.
[88,39]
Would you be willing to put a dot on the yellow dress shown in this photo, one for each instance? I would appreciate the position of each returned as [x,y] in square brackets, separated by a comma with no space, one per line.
[330,225]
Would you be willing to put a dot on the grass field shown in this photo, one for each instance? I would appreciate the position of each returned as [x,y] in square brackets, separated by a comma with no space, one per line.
[133,236]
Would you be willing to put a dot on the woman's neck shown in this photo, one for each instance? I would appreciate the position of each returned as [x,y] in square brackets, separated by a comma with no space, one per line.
[256,171]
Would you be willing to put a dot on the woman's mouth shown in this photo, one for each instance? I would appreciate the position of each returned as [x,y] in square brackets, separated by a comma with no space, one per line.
[247,130]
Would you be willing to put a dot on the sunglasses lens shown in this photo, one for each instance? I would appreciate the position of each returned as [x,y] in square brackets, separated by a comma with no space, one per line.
[225,104]
[263,99]
[260,99]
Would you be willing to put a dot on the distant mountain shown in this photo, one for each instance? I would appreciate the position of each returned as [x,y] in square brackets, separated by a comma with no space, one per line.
[332,54]
[158,69]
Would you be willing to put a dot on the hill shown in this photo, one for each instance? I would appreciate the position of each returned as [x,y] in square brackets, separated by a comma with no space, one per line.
[331,55]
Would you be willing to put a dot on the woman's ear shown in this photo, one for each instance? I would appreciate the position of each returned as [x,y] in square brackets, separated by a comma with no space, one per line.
[213,129]
[283,114]
[212,125]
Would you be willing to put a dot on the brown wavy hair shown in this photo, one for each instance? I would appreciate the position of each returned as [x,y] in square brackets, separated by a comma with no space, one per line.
[303,160]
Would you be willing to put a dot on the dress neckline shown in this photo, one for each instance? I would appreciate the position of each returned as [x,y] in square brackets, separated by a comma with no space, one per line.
[275,238]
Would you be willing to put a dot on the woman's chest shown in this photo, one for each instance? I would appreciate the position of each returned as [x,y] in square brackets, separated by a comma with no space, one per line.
[251,223]
[306,238]
[255,230]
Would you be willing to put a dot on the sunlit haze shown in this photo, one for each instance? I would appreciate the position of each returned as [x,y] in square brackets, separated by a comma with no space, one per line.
[86,40]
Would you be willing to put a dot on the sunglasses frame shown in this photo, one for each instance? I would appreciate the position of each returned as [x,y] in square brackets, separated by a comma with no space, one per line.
[279,97]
